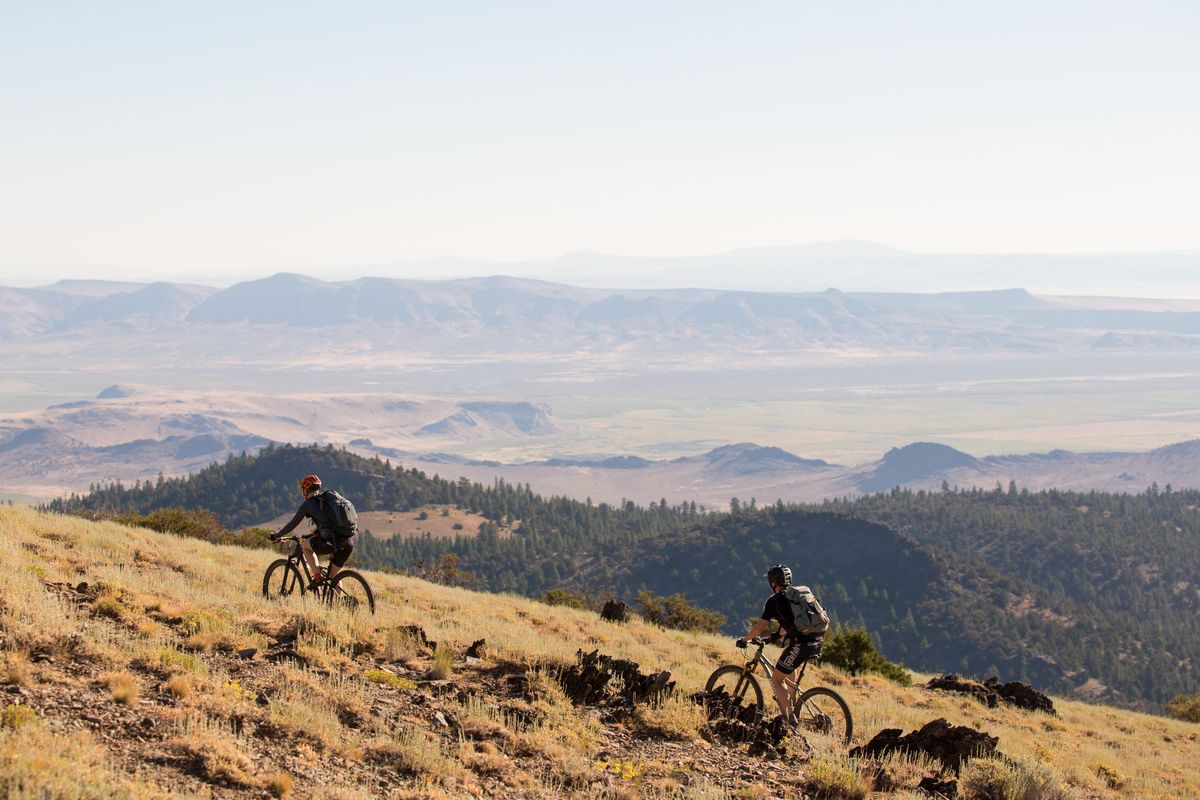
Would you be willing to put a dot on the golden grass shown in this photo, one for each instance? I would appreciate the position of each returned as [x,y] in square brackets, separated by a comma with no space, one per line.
[123,687]
[443,662]
[216,752]
[17,669]
[38,763]
[1088,750]
[673,717]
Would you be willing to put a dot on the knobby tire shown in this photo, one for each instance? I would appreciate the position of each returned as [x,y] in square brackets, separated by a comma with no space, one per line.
[355,593]
[736,684]
[282,579]
[822,710]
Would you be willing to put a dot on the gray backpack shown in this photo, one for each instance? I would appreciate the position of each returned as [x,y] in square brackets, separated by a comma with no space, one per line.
[811,617]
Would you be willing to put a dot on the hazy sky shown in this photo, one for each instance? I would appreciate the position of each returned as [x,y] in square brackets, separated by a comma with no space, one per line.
[224,139]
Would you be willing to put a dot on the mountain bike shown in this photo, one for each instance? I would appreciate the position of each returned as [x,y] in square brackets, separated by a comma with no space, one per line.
[289,576]
[819,709]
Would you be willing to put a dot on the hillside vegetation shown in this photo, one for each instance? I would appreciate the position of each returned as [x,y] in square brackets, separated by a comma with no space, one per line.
[123,678]
[1091,594]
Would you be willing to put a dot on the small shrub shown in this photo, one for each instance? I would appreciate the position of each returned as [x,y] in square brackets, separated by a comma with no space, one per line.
[678,613]
[17,716]
[382,676]
[279,784]
[836,777]
[416,753]
[215,753]
[400,645]
[110,607]
[566,597]
[674,717]
[180,686]
[852,650]
[1185,707]
[122,686]
[1111,777]
[443,662]
[993,779]
[17,670]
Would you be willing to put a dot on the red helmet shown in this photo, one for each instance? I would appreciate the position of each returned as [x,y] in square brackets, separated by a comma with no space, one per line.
[309,482]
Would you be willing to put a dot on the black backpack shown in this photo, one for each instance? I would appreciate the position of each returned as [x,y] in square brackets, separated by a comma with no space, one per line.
[339,514]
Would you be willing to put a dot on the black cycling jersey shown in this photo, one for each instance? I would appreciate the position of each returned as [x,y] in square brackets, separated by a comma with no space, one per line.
[779,608]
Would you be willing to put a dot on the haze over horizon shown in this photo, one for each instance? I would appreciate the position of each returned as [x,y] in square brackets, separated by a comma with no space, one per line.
[846,265]
[226,142]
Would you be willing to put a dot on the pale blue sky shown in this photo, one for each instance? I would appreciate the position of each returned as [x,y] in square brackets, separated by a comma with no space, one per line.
[238,139]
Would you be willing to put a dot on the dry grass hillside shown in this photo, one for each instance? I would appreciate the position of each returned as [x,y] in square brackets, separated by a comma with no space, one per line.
[439,520]
[122,677]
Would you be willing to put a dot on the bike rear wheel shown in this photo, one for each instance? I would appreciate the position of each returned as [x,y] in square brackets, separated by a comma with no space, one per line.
[822,711]
[737,683]
[282,579]
[351,591]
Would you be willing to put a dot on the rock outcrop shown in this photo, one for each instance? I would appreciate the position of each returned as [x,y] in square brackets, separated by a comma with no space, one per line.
[952,745]
[992,692]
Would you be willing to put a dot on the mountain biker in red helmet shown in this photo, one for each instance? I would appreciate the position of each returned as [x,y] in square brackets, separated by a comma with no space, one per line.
[796,646]
[326,542]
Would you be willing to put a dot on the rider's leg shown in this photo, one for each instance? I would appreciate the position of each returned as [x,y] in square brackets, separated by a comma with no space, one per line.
[310,557]
[783,685]
[341,555]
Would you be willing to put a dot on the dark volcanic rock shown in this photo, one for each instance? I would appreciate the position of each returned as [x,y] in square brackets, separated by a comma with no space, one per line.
[991,692]
[732,722]
[947,789]
[614,611]
[950,744]
[587,682]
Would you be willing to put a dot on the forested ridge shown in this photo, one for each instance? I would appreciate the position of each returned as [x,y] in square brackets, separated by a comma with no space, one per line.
[1087,592]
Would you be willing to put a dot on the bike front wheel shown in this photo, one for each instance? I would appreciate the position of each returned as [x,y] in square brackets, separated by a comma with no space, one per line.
[823,711]
[736,682]
[351,591]
[282,579]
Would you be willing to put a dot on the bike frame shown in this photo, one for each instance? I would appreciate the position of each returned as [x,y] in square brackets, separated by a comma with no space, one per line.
[297,557]
[754,661]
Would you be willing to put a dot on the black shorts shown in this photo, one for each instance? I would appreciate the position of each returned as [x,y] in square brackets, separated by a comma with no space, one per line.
[795,652]
[339,548]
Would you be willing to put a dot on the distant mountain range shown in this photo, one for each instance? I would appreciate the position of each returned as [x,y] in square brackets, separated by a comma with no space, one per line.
[768,473]
[520,309]
[135,432]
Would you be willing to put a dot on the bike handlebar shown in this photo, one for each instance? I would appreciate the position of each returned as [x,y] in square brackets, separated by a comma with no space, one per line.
[292,537]
[757,640]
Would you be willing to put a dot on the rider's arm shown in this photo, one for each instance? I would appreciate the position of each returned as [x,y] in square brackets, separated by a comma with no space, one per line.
[296,520]
[758,629]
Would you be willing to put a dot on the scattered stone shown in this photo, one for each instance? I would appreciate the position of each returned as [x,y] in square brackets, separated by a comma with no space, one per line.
[284,650]
[478,649]
[615,611]
[952,745]
[991,692]
[247,653]
[440,719]
[945,789]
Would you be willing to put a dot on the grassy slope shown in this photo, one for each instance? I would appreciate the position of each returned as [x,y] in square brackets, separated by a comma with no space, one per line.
[132,685]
